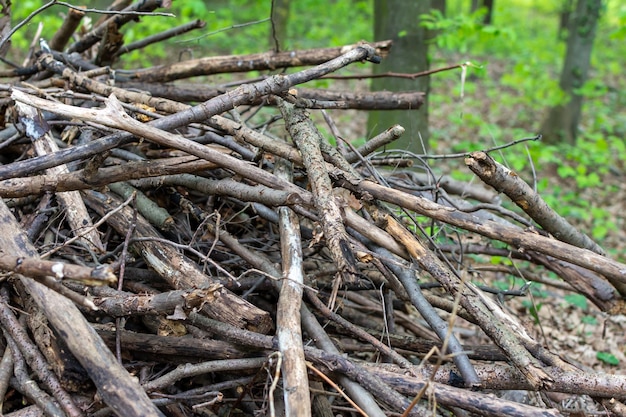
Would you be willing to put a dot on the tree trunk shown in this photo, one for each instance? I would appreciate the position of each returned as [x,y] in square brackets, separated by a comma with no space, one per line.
[476,4]
[398,20]
[280,18]
[439,5]
[489,16]
[562,121]
[564,17]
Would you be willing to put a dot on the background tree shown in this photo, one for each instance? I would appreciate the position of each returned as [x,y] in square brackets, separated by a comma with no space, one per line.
[280,18]
[439,5]
[564,15]
[488,4]
[563,119]
[399,21]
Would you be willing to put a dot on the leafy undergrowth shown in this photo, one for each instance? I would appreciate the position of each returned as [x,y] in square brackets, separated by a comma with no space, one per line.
[585,183]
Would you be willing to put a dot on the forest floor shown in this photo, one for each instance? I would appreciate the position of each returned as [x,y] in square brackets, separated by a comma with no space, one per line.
[563,323]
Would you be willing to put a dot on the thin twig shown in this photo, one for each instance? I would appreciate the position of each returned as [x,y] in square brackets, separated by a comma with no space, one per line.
[94,227]
[336,387]
[26,20]
[118,12]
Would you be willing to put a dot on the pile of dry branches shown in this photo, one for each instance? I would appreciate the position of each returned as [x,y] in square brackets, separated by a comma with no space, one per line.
[165,258]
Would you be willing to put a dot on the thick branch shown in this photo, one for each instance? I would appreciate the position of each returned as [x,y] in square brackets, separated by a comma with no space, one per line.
[245,63]
[515,236]
[308,140]
[288,330]
[38,268]
[509,183]
[122,393]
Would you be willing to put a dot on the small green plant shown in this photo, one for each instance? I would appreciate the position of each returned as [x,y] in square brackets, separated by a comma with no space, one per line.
[607,358]
[533,309]
[577,300]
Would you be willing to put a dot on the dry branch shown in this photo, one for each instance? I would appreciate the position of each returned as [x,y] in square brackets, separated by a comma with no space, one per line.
[288,330]
[247,223]
[245,63]
[508,182]
[309,141]
[37,268]
[64,34]
[117,388]
[306,97]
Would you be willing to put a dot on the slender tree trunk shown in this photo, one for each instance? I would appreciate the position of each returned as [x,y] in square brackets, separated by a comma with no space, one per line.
[439,5]
[489,16]
[562,120]
[564,17]
[476,4]
[399,20]
[280,18]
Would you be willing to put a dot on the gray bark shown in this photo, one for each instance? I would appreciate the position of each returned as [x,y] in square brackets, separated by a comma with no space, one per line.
[399,20]
[562,121]
[280,21]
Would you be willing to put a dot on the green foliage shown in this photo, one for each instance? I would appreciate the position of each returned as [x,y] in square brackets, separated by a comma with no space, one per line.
[533,309]
[518,84]
[577,300]
[50,25]
[341,22]
[607,358]
[619,32]
[459,32]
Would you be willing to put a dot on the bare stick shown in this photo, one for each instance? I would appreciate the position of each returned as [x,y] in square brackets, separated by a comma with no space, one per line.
[38,268]
[114,383]
[509,183]
[308,140]
[244,63]
[296,383]
[382,139]
[67,29]
[34,358]
[189,370]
